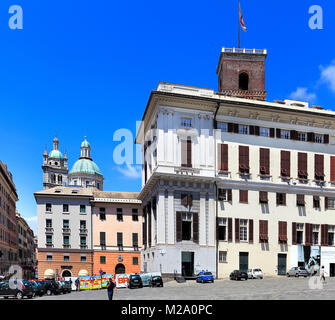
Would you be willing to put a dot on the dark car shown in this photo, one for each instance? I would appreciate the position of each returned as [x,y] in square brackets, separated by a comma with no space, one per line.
[156,281]
[16,289]
[52,287]
[66,286]
[238,275]
[135,281]
[39,288]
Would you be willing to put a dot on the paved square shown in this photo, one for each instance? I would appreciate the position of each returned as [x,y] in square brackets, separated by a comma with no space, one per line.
[267,289]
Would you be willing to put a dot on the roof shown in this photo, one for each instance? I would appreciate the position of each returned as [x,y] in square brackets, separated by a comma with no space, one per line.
[65,191]
[55,154]
[115,196]
[85,144]
[85,166]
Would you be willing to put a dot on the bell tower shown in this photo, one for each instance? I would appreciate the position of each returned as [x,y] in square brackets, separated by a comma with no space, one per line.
[241,73]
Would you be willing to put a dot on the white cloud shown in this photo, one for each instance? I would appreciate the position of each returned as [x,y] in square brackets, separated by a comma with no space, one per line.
[328,75]
[32,222]
[31,219]
[302,94]
[133,172]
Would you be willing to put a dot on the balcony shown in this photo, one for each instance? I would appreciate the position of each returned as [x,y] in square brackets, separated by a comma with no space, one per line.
[135,247]
[83,231]
[49,245]
[120,246]
[66,246]
[49,230]
[66,230]
[83,246]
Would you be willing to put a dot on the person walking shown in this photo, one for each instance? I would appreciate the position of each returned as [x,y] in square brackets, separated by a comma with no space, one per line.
[322,274]
[77,282]
[110,288]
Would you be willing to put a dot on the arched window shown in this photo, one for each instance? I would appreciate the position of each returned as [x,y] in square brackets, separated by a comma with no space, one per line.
[243,81]
[66,273]
[120,268]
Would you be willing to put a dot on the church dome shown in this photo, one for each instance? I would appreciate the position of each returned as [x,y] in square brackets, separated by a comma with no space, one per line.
[85,166]
[85,144]
[55,154]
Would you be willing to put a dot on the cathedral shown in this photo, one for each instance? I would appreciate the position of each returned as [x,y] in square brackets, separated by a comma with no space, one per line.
[84,173]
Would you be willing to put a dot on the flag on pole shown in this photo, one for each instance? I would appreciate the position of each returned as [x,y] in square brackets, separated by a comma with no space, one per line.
[241,19]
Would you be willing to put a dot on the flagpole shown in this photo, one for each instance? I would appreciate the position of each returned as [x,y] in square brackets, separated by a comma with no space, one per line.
[238,25]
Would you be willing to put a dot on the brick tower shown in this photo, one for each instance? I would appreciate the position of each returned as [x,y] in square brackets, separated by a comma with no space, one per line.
[241,73]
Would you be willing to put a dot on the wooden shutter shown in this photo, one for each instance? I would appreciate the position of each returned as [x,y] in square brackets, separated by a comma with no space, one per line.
[230,229]
[263,231]
[179,225]
[285,163]
[217,229]
[237,230]
[230,127]
[264,161]
[272,132]
[326,203]
[316,202]
[183,144]
[235,127]
[244,196]
[300,200]
[324,235]
[252,130]
[195,227]
[278,133]
[294,233]
[251,230]
[244,159]
[319,166]
[282,225]
[189,153]
[307,234]
[302,165]
[229,195]
[326,138]
[294,135]
[310,136]
[224,157]
[256,131]
[263,197]
[332,168]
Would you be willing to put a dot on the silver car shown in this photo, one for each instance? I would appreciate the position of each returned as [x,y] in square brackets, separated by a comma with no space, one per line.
[297,272]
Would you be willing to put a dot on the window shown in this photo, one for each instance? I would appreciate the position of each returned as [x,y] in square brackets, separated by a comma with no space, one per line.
[66,240]
[82,208]
[187,226]
[48,207]
[243,129]
[264,161]
[82,224]
[243,230]
[66,224]
[186,153]
[225,195]
[263,197]
[102,238]
[300,233]
[119,214]
[263,231]
[222,126]
[316,202]
[330,202]
[135,214]
[302,165]
[66,258]
[222,256]
[135,240]
[285,134]
[102,213]
[186,122]
[281,199]
[300,200]
[83,241]
[120,240]
[319,167]
[282,231]
[82,258]
[302,136]
[102,259]
[223,157]
[316,234]
[243,196]
[331,231]
[135,261]
[244,160]
[49,257]
[48,223]
[65,208]
[318,138]
[49,239]
[285,163]
[264,132]
[243,81]
[222,229]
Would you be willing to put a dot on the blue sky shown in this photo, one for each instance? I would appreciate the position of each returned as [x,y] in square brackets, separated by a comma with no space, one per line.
[87,68]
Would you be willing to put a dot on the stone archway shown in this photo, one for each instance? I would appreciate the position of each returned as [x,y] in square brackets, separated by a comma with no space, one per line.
[66,273]
[120,269]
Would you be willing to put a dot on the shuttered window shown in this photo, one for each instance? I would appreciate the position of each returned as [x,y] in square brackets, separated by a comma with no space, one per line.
[263,231]
[251,231]
[102,238]
[319,167]
[264,161]
[316,202]
[300,200]
[285,163]
[244,159]
[282,232]
[326,138]
[310,136]
[186,153]
[294,233]
[196,227]
[281,199]
[179,226]
[324,235]
[237,230]
[244,196]
[294,135]
[230,229]
[225,195]
[332,168]
[308,234]
[223,157]
[263,197]
[302,165]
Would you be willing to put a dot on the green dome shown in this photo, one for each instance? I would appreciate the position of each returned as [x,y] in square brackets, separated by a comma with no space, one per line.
[85,144]
[55,154]
[85,166]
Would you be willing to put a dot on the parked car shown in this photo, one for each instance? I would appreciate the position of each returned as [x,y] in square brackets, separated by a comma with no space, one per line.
[52,287]
[67,288]
[255,274]
[39,287]
[297,272]
[156,281]
[135,281]
[238,275]
[205,276]
[21,290]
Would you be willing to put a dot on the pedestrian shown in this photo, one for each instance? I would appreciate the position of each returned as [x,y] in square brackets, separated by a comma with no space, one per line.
[110,288]
[77,282]
[322,274]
